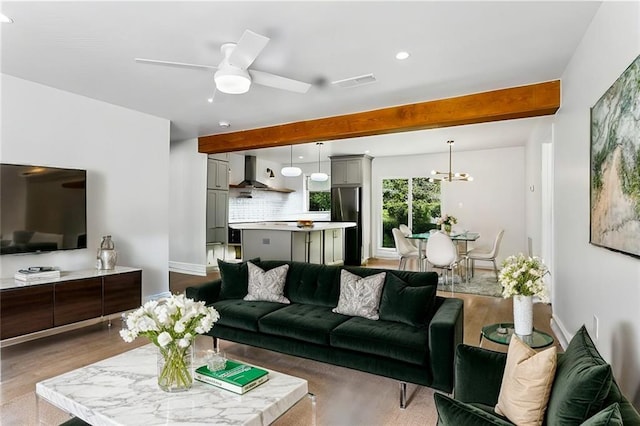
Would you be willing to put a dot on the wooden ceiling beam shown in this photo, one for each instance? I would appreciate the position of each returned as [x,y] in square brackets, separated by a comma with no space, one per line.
[533,100]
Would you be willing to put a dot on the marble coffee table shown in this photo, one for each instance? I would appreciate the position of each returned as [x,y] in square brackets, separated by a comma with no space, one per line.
[123,390]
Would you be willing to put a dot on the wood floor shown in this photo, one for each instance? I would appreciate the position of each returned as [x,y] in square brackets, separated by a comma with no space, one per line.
[345,397]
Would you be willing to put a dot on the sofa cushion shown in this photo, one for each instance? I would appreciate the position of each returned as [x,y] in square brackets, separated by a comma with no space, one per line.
[235,279]
[609,416]
[454,413]
[526,383]
[582,383]
[308,323]
[360,296]
[267,285]
[405,303]
[385,338]
[242,314]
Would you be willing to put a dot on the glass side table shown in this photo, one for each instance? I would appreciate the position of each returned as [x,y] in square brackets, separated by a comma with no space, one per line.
[501,333]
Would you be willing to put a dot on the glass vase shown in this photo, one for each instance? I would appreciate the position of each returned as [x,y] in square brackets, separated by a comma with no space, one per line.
[175,368]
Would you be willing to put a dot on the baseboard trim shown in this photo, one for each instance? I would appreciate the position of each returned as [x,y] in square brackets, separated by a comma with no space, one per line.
[188,268]
[560,331]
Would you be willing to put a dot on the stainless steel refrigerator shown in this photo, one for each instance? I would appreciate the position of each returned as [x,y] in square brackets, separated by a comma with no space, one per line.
[345,207]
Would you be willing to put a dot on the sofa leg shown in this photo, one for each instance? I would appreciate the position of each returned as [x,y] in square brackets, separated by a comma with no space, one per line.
[403,395]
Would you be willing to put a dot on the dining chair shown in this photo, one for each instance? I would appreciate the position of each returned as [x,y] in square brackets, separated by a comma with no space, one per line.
[406,231]
[485,255]
[442,254]
[404,248]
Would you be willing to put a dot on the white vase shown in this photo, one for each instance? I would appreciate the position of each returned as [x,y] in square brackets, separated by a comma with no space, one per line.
[523,315]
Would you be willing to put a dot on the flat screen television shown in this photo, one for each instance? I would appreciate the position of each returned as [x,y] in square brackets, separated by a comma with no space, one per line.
[42,209]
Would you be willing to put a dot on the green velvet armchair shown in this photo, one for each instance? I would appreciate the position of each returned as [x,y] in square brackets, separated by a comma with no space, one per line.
[584,391]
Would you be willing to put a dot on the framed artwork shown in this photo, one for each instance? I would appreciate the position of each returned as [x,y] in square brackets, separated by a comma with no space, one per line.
[615,165]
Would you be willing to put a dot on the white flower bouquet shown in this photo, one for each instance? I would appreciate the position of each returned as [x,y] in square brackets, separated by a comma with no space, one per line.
[171,324]
[446,220]
[522,276]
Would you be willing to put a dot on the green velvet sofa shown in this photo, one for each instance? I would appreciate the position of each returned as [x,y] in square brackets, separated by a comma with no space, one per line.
[414,340]
[583,392]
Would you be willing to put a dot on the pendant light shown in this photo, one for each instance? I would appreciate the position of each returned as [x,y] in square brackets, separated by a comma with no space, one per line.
[319,176]
[291,171]
[449,176]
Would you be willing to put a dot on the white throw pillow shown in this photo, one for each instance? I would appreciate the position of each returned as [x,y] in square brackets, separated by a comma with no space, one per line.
[267,286]
[360,296]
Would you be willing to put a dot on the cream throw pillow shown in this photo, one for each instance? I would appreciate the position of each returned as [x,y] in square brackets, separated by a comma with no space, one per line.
[526,383]
[267,286]
[360,296]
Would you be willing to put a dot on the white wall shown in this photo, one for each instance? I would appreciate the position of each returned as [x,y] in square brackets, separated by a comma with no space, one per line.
[126,155]
[187,210]
[591,280]
[494,200]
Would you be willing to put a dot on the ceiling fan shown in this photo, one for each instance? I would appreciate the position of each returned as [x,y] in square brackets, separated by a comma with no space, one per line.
[233,75]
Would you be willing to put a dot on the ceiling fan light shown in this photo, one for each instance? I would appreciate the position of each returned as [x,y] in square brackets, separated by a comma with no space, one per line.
[233,81]
[319,177]
[291,171]
[470,178]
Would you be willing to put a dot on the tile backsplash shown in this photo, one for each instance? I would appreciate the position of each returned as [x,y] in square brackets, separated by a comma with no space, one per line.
[268,206]
[263,205]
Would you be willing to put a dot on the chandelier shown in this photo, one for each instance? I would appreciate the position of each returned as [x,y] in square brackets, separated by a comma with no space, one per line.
[449,176]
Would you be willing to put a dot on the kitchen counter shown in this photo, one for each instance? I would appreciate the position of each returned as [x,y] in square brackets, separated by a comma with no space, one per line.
[291,226]
[323,243]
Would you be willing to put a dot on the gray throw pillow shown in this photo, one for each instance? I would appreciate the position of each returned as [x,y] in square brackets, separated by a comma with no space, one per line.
[267,286]
[360,296]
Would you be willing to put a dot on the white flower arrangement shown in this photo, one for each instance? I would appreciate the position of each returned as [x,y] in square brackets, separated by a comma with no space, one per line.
[171,324]
[172,320]
[522,276]
[446,220]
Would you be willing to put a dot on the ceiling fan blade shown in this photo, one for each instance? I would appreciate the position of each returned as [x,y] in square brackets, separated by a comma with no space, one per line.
[247,49]
[278,82]
[175,64]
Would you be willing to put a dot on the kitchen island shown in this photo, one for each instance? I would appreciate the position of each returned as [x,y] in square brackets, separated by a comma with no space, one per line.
[322,243]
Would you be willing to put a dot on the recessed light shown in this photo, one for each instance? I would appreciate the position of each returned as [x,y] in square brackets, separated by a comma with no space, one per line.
[5,19]
[224,124]
[210,100]
[367,151]
[402,55]
[300,157]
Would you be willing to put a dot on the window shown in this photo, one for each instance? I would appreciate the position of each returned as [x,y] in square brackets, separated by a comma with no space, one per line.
[412,201]
[318,197]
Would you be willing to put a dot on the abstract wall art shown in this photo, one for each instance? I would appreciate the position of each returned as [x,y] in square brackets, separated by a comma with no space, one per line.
[615,165]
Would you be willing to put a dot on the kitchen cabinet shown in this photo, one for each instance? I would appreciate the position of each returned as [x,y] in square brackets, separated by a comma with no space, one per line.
[347,170]
[324,243]
[333,247]
[217,216]
[217,174]
[307,247]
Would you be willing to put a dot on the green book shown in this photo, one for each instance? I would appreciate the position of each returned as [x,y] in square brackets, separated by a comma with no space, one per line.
[236,377]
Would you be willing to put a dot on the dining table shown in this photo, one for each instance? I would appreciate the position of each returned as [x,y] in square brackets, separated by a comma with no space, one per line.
[459,238]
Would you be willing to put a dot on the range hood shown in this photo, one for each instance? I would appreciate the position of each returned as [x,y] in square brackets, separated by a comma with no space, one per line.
[250,177]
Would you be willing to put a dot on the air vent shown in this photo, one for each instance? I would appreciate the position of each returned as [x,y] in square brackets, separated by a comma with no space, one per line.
[355,81]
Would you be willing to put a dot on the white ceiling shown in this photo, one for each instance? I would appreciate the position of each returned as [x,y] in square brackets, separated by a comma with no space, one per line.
[457,48]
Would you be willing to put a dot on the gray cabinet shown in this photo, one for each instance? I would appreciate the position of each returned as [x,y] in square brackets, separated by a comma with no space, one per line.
[217,200]
[346,172]
[217,216]
[217,174]
[307,247]
[333,247]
